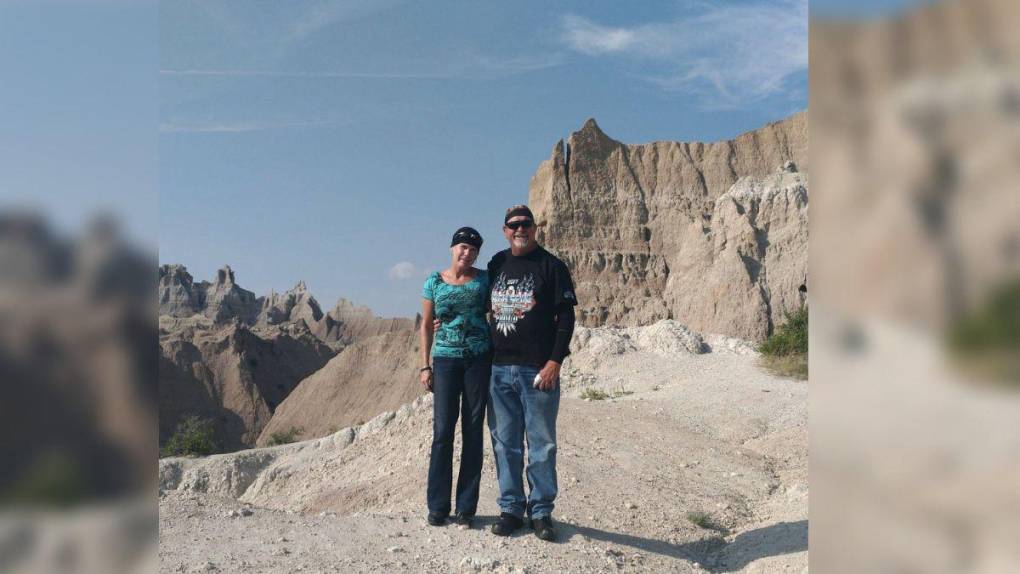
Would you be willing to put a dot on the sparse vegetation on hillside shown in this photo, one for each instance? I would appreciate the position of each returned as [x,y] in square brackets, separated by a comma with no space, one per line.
[785,352]
[195,436]
[986,342]
[285,437]
[591,393]
[701,520]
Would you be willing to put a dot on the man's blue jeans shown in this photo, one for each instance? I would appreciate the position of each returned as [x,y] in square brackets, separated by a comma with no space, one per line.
[516,410]
[461,387]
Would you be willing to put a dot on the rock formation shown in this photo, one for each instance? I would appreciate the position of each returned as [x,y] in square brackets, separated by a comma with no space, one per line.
[228,356]
[224,301]
[221,301]
[708,234]
[234,376]
[741,273]
[294,305]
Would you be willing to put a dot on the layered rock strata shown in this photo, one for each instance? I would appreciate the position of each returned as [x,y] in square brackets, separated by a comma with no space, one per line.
[713,235]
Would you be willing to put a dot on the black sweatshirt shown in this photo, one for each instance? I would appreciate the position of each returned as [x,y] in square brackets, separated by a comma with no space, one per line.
[532,302]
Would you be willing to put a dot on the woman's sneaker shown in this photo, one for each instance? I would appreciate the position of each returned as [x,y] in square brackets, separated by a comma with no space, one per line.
[437,519]
[544,529]
[507,524]
[463,520]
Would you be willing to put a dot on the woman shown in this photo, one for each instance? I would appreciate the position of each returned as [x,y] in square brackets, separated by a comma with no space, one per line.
[458,375]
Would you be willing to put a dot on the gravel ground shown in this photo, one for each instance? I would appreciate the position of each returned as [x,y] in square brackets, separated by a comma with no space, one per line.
[687,433]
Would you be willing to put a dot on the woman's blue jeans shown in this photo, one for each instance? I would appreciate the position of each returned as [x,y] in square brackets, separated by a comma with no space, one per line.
[461,387]
[516,410]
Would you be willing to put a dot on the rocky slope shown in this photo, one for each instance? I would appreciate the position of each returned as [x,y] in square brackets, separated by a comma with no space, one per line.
[347,322]
[374,374]
[695,427]
[711,234]
[232,357]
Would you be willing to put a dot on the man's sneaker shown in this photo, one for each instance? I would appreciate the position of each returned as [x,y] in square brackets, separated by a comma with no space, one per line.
[506,525]
[464,520]
[437,518]
[544,529]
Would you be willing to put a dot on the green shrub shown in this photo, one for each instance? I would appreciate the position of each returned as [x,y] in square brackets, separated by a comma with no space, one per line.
[285,437]
[701,520]
[785,352]
[791,338]
[194,436]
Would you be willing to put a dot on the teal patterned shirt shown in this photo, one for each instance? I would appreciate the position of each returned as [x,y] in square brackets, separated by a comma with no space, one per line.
[461,308]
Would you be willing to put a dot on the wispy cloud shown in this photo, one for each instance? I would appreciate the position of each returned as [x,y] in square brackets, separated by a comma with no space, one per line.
[725,55]
[471,65]
[588,37]
[280,24]
[319,15]
[310,75]
[483,65]
[402,271]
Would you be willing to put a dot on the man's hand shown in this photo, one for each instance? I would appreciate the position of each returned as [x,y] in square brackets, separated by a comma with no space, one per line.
[435,325]
[550,374]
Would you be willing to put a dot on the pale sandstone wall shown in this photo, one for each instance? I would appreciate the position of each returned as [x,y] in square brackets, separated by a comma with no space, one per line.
[713,235]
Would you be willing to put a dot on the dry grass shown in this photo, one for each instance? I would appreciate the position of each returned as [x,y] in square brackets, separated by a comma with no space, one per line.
[794,366]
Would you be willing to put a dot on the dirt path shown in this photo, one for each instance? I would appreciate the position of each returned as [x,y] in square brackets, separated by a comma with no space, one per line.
[703,433]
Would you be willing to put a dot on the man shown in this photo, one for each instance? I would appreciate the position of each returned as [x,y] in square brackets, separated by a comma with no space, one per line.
[532,304]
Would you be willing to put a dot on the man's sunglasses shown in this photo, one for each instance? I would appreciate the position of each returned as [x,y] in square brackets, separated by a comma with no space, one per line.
[525,223]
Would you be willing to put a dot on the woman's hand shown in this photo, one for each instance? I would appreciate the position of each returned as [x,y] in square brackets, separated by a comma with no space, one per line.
[426,379]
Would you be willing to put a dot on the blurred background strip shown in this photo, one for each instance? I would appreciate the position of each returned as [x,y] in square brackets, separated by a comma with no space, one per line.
[78,212]
[915,255]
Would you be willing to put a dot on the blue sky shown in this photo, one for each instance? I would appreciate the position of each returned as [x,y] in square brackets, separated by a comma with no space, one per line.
[343,142]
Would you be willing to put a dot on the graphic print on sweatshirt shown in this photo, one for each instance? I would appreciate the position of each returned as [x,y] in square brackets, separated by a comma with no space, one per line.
[511,299]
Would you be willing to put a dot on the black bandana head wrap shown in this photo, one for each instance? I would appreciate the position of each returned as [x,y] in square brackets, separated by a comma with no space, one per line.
[467,235]
[516,211]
